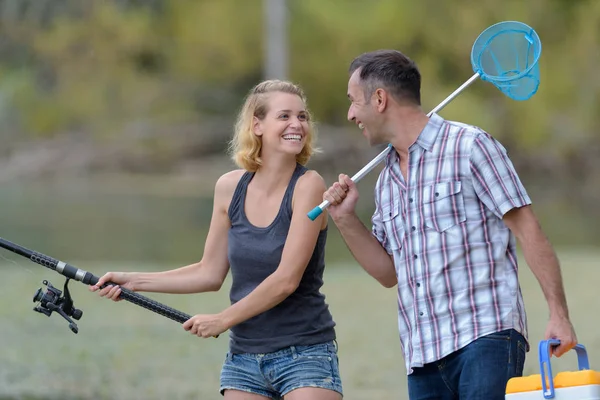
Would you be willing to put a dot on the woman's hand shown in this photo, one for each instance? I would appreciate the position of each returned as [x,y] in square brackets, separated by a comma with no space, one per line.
[113,292]
[206,325]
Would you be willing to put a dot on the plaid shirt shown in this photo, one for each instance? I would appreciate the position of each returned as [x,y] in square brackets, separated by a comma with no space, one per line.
[455,259]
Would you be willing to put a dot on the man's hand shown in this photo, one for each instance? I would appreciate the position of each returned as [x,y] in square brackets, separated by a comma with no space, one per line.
[561,328]
[342,196]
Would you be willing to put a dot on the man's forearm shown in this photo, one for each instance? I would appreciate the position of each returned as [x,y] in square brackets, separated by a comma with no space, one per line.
[540,257]
[367,250]
[544,264]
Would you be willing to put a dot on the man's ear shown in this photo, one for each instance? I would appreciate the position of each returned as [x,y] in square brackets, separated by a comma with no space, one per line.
[256,126]
[380,99]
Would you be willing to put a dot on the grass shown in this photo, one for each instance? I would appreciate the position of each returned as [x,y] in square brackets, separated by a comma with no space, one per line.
[125,352]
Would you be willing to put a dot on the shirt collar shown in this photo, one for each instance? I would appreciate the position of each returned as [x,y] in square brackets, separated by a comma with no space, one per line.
[429,134]
[426,138]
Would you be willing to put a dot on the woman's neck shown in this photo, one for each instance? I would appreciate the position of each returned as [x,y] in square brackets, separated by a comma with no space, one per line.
[274,172]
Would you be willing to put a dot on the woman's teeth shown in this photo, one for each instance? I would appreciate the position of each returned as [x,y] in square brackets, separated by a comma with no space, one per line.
[292,137]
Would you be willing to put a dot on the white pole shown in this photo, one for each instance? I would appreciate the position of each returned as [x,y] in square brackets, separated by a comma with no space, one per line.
[275,38]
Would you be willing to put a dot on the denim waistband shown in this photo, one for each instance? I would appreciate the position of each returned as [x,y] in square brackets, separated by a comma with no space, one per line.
[329,346]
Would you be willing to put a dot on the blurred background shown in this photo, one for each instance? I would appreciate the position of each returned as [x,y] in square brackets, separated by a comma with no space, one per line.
[114,121]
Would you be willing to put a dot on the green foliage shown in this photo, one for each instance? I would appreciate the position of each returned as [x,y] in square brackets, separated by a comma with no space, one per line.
[439,36]
[106,65]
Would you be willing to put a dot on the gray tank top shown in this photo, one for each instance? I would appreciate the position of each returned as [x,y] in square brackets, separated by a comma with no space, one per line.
[303,318]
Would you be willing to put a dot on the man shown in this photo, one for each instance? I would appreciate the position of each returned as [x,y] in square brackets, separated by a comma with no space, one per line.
[448,207]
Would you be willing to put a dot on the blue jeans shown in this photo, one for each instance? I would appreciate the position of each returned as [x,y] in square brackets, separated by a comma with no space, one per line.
[479,371]
[273,375]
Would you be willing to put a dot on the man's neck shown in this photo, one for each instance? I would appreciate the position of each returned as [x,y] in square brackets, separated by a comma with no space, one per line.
[405,129]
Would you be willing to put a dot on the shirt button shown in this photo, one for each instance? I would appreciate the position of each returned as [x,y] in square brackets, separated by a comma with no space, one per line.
[418,284]
[410,200]
[416,256]
[421,313]
[437,194]
[413,228]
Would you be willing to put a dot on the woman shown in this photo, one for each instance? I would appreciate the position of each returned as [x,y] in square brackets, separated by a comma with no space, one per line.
[282,337]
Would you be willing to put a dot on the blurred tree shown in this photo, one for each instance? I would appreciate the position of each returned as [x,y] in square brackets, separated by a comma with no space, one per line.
[99,67]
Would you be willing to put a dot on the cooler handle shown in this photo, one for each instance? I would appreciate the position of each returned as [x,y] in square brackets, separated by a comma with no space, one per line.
[544,350]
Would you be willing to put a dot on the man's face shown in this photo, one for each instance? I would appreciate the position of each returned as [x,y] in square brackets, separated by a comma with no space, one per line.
[362,111]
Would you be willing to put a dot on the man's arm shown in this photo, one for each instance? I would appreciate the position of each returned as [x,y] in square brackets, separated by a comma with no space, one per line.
[544,264]
[540,257]
[498,186]
[367,250]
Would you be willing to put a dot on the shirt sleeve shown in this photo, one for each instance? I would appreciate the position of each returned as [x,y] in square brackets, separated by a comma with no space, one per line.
[377,228]
[495,179]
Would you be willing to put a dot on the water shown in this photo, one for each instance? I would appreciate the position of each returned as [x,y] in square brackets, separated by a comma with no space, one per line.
[162,222]
[88,221]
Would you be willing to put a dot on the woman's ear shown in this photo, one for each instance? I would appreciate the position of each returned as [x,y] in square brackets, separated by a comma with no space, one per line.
[256,126]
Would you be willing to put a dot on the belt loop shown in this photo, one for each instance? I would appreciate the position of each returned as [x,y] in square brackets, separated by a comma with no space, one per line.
[229,356]
[294,352]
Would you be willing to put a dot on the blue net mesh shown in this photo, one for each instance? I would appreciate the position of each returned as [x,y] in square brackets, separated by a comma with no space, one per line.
[506,54]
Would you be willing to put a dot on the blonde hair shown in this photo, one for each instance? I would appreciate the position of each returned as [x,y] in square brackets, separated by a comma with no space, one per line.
[245,146]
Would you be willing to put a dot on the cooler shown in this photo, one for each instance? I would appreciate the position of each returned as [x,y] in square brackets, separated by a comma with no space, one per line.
[569,385]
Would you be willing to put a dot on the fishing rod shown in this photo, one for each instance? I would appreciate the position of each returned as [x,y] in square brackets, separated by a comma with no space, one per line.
[61,302]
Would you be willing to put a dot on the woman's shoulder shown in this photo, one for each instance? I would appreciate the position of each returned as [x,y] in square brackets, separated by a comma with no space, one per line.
[309,187]
[311,180]
[309,192]
[227,183]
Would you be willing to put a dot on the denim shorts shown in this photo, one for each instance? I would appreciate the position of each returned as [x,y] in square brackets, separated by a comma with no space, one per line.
[275,374]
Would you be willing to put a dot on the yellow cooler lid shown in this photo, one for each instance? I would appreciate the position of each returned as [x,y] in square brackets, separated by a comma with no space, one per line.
[565,379]
[528,383]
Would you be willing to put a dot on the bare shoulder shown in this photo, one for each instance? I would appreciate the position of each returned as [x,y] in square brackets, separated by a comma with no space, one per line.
[229,180]
[310,188]
[311,182]
[226,184]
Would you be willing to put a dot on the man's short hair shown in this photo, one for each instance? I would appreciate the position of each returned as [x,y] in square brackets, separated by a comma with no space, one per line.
[390,70]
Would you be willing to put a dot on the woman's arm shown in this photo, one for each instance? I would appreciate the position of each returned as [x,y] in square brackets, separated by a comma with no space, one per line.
[209,273]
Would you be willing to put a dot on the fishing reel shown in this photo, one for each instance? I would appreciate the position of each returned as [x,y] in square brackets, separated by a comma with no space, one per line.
[53,300]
